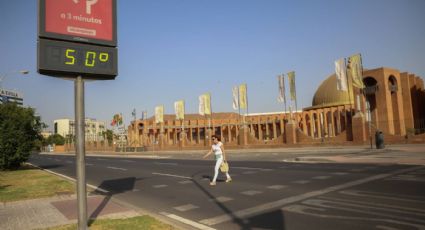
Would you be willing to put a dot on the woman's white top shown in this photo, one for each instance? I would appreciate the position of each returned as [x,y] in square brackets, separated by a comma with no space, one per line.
[217,148]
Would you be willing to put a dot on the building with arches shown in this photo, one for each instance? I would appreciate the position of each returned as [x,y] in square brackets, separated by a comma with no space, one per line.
[392,102]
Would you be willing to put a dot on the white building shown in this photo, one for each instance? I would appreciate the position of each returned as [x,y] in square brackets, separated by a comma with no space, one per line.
[11,96]
[93,130]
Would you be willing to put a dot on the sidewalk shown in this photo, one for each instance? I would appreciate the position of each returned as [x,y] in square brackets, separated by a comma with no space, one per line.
[60,210]
[391,154]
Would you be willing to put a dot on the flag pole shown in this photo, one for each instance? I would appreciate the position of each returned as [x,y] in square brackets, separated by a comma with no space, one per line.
[247,111]
[367,107]
[211,116]
[296,105]
[350,92]
[239,108]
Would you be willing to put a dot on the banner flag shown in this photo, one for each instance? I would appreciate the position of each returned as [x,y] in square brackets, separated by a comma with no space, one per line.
[242,96]
[235,93]
[207,103]
[341,76]
[159,114]
[202,104]
[120,119]
[117,119]
[355,69]
[292,91]
[179,109]
[114,120]
[281,97]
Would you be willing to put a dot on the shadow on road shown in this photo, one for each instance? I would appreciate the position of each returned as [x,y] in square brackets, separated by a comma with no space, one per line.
[270,220]
[115,186]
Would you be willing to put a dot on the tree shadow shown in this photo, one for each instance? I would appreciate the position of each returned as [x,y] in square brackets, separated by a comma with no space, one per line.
[113,187]
[270,220]
[52,166]
[274,219]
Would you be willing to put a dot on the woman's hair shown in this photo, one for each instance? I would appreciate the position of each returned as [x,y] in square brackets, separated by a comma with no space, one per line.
[217,137]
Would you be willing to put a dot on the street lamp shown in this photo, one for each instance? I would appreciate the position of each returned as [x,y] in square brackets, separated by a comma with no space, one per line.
[2,77]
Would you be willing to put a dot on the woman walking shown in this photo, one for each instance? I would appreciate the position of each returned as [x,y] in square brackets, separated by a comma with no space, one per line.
[218,149]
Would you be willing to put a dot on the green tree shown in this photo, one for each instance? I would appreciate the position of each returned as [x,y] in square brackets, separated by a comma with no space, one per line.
[56,139]
[19,131]
[109,135]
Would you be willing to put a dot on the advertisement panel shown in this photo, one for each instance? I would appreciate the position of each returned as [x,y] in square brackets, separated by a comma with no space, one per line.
[90,21]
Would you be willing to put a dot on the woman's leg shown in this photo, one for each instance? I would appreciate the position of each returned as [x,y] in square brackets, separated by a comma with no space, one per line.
[228,176]
[216,168]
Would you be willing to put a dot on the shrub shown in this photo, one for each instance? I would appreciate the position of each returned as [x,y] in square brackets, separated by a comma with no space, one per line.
[19,131]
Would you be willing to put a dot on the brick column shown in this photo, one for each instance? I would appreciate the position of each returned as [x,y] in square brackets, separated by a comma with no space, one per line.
[267,130]
[291,134]
[359,128]
[260,131]
[243,135]
[229,132]
[312,124]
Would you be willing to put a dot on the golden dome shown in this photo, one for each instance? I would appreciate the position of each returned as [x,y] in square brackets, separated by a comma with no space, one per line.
[328,95]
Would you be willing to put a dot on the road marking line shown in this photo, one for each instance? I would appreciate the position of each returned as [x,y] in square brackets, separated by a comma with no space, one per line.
[248,168]
[356,208]
[386,196]
[159,163]
[186,207]
[221,199]
[277,186]
[171,175]
[122,169]
[374,205]
[186,221]
[160,186]
[251,192]
[185,182]
[249,172]
[301,182]
[128,161]
[321,177]
[306,210]
[282,202]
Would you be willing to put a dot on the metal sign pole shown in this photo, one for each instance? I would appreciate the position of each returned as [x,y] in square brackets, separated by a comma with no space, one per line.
[80,153]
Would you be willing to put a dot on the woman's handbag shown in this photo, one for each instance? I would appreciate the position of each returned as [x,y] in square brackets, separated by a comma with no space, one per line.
[224,167]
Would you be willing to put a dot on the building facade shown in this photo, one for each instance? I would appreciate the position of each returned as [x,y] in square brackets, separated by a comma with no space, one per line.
[94,129]
[11,96]
[392,102]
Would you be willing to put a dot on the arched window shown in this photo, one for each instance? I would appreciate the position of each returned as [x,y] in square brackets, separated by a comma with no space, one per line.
[392,84]
[371,85]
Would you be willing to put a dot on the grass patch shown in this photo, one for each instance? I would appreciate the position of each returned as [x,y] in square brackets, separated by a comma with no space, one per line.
[31,183]
[136,223]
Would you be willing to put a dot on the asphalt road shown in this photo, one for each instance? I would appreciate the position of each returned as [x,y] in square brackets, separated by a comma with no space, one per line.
[263,195]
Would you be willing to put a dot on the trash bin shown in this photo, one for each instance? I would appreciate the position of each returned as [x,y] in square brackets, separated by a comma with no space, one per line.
[379,139]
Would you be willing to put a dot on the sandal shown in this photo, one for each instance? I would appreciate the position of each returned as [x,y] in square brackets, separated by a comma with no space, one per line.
[229,180]
[212,183]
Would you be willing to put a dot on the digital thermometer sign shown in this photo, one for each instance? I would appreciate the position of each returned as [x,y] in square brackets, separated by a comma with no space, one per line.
[68,59]
[77,38]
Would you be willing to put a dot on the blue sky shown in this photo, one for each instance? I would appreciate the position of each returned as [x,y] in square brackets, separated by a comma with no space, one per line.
[179,49]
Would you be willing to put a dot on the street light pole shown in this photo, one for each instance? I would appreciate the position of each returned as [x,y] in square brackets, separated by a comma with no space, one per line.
[2,77]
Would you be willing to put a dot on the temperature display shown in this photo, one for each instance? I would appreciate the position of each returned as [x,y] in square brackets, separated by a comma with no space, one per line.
[72,59]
